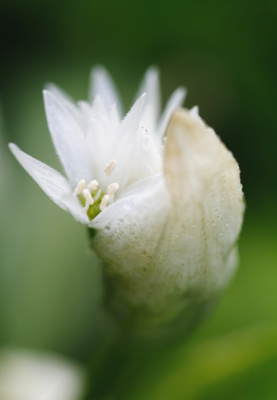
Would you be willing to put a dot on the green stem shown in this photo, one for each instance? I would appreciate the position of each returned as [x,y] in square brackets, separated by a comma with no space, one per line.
[120,366]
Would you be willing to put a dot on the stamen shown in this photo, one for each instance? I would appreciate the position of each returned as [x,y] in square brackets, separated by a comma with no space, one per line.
[110,167]
[93,185]
[112,188]
[87,195]
[104,202]
[80,187]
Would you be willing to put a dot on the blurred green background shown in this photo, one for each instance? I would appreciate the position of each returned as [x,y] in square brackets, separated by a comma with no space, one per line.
[225,54]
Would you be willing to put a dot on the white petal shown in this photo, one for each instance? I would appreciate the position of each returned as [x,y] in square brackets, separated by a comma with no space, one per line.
[151,86]
[102,84]
[38,376]
[98,107]
[114,116]
[175,101]
[68,140]
[60,94]
[67,102]
[147,158]
[100,137]
[122,148]
[52,183]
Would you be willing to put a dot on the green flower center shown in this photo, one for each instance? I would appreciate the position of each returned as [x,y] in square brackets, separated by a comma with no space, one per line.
[93,209]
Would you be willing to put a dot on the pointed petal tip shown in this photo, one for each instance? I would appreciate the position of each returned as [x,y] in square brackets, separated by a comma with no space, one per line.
[54,184]
[98,68]
[153,70]
[14,149]
[57,92]
[48,87]
[48,97]
[182,92]
[136,109]
[47,94]
[139,101]
[103,84]
[12,146]
[138,105]
[98,72]
[175,101]
[53,95]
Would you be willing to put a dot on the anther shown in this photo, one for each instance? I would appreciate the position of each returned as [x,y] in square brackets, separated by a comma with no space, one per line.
[80,187]
[93,185]
[112,188]
[104,202]
[110,167]
[87,195]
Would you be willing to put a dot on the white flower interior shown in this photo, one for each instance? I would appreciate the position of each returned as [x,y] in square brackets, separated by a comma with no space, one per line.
[101,152]
[92,198]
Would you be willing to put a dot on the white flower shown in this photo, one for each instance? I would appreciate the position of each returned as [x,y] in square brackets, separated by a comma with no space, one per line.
[167,211]
[36,376]
[94,145]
